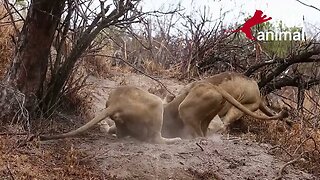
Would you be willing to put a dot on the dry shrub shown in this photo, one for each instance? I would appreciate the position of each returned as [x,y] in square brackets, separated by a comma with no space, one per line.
[74,99]
[121,69]
[96,66]
[289,142]
[173,71]
[6,45]
[302,137]
[152,67]
[77,98]
[106,67]
[81,89]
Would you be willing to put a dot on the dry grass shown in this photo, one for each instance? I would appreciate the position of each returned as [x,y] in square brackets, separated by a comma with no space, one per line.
[153,68]
[288,142]
[34,161]
[6,45]
[302,137]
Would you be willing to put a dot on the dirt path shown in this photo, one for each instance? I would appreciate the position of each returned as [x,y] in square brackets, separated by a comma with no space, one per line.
[210,158]
[206,158]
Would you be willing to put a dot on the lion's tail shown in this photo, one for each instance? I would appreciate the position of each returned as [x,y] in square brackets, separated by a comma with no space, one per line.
[283,114]
[235,103]
[106,112]
[265,109]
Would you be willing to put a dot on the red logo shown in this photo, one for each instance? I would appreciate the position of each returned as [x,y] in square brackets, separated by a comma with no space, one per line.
[256,19]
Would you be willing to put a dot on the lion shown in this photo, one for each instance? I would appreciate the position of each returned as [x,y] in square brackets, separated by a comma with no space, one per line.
[136,113]
[229,95]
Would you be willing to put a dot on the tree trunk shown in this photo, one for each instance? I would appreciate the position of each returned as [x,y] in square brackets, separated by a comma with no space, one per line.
[29,67]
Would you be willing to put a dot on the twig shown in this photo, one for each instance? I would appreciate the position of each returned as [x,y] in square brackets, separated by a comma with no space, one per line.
[287,164]
[300,145]
[10,173]
[308,5]
[286,98]
[200,146]
[6,5]
[315,144]
[14,133]
[303,142]
[131,65]
[280,147]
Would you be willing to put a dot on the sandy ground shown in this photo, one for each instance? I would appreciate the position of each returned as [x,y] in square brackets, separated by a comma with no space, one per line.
[204,158]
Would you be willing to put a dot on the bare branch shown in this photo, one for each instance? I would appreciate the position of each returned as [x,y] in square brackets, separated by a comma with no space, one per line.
[131,65]
[285,63]
[281,171]
[6,5]
[308,5]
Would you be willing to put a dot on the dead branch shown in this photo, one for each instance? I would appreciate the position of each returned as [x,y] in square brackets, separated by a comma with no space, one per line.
[10,173]
[315,144]
[308,5]
[285,63]
[281,171]
[287,104]
[200,146]
[299,146]
[254,68]
[14,133]
[8,9]
[294,81]
[124,12]
[280,147]
[303,142]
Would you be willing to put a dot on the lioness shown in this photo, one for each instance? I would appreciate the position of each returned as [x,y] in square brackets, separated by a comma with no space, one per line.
[135,112]
[227,94]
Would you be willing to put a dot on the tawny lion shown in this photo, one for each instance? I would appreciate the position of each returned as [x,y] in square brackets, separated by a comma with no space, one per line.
[135,112]
[229,95]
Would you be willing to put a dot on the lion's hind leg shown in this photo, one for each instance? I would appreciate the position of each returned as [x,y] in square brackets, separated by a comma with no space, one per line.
[201,101]
[234,113]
